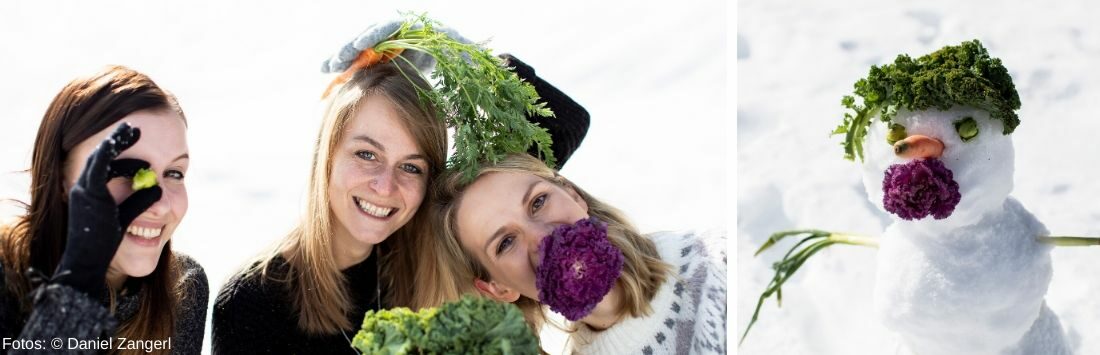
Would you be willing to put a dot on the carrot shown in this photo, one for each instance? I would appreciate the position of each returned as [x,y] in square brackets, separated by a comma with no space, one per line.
[919,147]
[366,58]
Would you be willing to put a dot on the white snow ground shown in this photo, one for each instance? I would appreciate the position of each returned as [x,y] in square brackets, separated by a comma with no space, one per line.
[247,74]
[797,58]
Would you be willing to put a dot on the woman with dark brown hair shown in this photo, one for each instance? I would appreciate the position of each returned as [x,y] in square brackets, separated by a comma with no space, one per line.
[91,259]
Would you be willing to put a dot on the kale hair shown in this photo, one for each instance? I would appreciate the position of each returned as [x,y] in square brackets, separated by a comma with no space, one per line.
[963,75]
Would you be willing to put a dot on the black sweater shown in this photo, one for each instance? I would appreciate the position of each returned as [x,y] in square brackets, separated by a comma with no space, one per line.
[255,316]
[63,312]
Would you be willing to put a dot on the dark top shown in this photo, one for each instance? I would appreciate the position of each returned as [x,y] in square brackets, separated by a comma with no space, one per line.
[255,316]
[64,312]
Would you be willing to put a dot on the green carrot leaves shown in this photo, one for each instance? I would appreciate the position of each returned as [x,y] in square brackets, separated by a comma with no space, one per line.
[477,96]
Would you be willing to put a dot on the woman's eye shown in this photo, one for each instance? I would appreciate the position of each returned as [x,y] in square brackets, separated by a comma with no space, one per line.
[537,203]
[505,243]
[967,128]
[412,169]
[174,174]
[366,155]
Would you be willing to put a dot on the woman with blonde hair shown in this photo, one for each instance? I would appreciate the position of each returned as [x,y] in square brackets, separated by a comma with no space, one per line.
[92,258]
[360,244]
[519,232]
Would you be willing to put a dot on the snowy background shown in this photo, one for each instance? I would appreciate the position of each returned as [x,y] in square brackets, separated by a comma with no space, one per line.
[795,59]
[652,75]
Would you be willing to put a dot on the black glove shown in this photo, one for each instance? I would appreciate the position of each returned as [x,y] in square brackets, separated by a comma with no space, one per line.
[96,225]
[570,122]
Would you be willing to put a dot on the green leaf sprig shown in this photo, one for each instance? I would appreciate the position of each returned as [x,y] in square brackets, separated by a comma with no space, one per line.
[477,96]
[815,241]
[963,75]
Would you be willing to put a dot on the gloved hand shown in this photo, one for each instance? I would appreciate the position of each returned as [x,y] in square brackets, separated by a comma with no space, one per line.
[570,122]
[96,225]
[377,33]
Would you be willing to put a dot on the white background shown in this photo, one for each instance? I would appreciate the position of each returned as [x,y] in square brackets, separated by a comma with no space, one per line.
[652,75]
[797,58]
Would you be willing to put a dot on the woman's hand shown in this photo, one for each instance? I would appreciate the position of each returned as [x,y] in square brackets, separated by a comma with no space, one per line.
[96,225]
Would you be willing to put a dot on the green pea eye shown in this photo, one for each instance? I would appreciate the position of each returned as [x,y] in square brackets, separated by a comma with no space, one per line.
[897,133]
[967,128]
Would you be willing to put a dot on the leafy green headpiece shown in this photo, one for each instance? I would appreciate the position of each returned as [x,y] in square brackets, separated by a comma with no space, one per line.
[473,91]
[963,75]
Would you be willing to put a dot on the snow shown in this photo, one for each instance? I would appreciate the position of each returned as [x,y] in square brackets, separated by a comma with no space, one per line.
[247,75]
[797,58]
[973,289]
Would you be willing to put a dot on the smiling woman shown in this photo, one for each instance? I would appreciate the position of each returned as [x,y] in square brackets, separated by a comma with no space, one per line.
[116,274]
[375,154]
[363,242]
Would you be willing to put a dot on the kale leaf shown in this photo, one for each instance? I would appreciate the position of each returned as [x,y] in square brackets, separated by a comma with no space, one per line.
[471,325]
[963,75]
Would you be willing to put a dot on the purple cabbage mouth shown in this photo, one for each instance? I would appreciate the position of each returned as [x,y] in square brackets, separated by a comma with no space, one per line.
[919,189]
[578,267]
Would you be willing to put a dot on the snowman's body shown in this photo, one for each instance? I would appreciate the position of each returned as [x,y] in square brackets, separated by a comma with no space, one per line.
[976,289]
[972,283]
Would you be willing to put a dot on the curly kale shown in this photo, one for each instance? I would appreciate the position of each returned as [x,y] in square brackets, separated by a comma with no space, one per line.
[963,75]
[396,331]
[471,325]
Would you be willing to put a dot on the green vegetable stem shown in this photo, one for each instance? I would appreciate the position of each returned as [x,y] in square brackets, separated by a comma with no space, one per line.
[1070,241]
[795,257]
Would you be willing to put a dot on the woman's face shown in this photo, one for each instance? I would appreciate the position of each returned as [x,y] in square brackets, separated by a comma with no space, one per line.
[501,219]
[379,174]
[163,144]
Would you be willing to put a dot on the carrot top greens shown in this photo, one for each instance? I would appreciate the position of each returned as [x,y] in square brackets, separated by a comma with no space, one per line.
[481,99]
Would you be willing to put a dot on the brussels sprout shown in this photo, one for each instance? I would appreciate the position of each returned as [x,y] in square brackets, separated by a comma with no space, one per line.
[897,133]
[967,128]
[144,179]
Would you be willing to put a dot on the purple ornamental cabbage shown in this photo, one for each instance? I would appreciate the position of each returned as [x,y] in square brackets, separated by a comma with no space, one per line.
[578,267]
[920,188]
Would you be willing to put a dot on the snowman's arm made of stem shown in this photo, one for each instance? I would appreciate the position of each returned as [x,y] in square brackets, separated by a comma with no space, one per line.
[814,241]
[1061,241]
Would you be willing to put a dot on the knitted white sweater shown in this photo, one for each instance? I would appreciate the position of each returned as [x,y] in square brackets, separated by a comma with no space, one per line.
[689,311]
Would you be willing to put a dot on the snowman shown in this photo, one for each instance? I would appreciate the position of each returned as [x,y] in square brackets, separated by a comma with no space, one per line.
[964,267]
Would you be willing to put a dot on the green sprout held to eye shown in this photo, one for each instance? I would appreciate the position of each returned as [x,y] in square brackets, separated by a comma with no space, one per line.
[144,179]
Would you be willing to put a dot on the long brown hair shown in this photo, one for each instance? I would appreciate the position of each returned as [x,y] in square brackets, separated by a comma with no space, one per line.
[643,270]
[37,239]
[317,288]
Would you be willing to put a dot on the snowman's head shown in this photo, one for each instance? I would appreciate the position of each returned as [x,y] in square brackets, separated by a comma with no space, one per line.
[943,167]
[933,135]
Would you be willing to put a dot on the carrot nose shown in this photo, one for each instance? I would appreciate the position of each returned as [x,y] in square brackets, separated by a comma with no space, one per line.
[918,147]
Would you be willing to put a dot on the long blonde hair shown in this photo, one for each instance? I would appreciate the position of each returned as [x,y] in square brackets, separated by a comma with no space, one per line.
[643,271]
[318,290]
